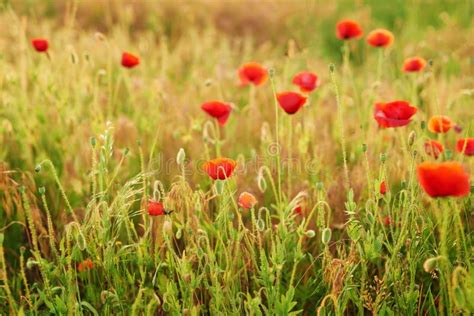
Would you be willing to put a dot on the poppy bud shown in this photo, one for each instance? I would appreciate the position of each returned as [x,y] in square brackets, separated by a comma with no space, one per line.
[261,182]
[310,233]
[41,190]
[326,235]
[364,148]
[271,72]
[332,67]
[383,157]
[411,138]
[180,157]
[319,186]
[38,168]
[93,141]
[430,264]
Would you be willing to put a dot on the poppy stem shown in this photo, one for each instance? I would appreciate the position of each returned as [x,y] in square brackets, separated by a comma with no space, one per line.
[290,152]
[379,64]
[217,134]
[277,132]
[341,125]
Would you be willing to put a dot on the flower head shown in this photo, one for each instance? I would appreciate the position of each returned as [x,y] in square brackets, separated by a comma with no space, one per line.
[394,114]
[433,148]
[220,168]
[298,210]
[129,60]
[348,29]
[306,80]
[247,200]
[291,102]
[465,146]
[156,208]
[253,73]
[40,44]
[440,124]
[380,38]
[383,187]
[414,64]
[218,110]
[443,179]
[85,265]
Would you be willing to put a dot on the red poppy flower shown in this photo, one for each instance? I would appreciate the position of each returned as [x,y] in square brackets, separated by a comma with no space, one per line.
[393,114]
[307,81]
[466,146]
[414,64]
[433,148]
[85,265]
[383,187]
[220,168]
[156,208]
[291,102]
[247,200]
[129,60]
[443,179]
[387,221]
[253,73]
[348,29]
[440,124]
[298,210]
[380,38]
[218,110]
[40,44]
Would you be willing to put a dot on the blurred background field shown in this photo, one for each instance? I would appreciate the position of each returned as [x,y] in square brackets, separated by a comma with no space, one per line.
[53,107]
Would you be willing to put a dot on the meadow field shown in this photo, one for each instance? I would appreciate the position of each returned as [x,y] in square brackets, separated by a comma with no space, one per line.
[236,157]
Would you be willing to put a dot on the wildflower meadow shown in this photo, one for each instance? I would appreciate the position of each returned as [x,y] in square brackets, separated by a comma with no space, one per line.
[237,157]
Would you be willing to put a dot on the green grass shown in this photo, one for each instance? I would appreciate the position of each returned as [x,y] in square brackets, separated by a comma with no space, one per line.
[86,142]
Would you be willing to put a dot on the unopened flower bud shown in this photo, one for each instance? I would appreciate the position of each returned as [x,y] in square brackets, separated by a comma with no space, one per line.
[430,264]
[411,138]
[180,157]
[326,235]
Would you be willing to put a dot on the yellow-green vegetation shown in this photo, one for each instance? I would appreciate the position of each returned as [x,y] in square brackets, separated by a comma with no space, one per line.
[91,151]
